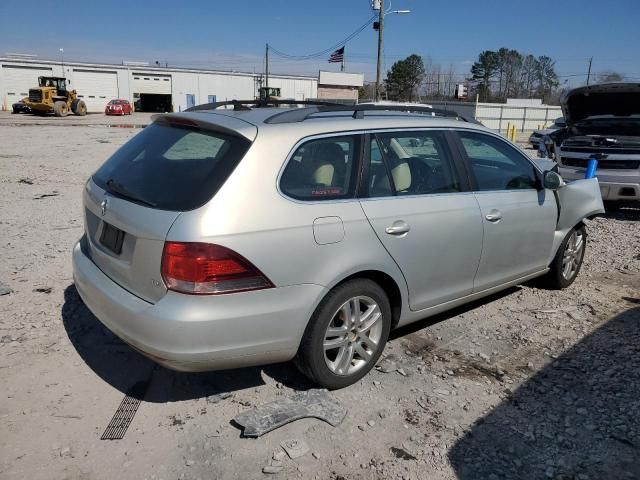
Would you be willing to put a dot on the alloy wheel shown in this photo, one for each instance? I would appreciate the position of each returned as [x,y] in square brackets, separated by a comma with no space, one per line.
[353,335]
[572,255]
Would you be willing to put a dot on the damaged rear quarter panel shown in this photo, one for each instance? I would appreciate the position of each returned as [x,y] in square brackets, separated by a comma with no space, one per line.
[577,200]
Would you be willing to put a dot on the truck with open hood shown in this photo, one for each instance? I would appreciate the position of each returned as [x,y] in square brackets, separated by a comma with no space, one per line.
[603,122]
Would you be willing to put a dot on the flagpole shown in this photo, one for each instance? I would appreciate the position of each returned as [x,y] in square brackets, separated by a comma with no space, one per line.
[342,64]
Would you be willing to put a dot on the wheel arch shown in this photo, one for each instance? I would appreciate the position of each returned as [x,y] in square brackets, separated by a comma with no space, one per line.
[387,283]
[560,235]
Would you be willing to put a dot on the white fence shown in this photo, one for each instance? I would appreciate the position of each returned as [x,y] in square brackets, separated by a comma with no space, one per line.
[498,116]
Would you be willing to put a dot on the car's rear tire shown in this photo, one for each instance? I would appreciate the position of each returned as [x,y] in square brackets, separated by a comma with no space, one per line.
[60,109]
[568,260]
[346,334]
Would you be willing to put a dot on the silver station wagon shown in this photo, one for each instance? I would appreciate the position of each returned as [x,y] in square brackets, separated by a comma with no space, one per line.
[222,238]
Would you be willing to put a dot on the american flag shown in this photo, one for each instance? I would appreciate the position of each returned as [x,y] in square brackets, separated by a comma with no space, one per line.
[337,56]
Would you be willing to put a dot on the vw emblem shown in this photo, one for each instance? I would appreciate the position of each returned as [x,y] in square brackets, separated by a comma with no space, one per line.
[103,207]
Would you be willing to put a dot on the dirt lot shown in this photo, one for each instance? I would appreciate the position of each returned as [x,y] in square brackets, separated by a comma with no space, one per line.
[527,384]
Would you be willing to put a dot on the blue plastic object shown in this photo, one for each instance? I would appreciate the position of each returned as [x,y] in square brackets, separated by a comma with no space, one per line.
[592,166]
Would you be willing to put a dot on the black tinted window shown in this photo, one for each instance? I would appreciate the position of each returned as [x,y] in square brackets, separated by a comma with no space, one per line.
[322,169]
[170,167]
[496,165]
[419,162]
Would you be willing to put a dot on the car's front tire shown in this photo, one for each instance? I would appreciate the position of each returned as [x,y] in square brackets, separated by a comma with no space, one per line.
[568,260]
[346,334]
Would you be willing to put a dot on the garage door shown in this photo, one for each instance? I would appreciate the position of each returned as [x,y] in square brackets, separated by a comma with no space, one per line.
[96,88]
[151,83]
[16,81]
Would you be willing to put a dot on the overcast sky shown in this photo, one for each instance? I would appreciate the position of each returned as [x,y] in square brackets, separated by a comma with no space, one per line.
[232,34]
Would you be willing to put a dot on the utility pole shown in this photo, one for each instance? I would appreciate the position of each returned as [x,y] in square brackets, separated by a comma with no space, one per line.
[266,70]
[379,67]
[589,71]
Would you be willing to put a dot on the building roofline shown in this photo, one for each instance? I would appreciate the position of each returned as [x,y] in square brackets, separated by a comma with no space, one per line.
[151,68]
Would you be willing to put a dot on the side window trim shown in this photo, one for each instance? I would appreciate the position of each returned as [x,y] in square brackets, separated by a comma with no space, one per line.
[385,162]
[456,138]
[460,165]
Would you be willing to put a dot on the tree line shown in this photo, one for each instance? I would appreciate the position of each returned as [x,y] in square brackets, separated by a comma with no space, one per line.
[498,75]
[495,76]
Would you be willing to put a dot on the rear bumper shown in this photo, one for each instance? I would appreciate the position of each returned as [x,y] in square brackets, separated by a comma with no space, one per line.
[199,333]
[612,186]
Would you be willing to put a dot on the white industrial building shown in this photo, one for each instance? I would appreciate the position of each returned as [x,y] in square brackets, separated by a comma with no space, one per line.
[152,88]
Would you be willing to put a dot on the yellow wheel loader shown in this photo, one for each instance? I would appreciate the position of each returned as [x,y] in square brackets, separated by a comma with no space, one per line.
[52,95]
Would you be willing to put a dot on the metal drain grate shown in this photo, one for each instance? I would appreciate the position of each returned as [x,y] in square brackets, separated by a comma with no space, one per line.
[126,411]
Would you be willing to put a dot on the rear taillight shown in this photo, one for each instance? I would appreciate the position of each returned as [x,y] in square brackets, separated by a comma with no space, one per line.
[206,269]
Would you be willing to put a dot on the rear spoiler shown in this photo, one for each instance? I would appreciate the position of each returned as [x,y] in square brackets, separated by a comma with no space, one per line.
[211,122]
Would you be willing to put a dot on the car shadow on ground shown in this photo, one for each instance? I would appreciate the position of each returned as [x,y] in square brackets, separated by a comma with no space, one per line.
[577,418]
[125,369]
[626,213]
[400,332]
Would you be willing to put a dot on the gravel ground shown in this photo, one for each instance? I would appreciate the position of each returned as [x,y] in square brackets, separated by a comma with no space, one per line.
[529,383]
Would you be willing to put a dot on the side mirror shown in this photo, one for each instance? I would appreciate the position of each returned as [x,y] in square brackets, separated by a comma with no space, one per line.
[552,180]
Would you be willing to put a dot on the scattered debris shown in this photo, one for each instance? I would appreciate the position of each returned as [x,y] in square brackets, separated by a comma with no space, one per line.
[295,448]
[125,412]
[4,290]
[402,454]
[45,195]
[43,290]
[402,372]
[218,397]
[275,464]
[271,469]
[315,403]
[278,455]
[26,181]
[387,365]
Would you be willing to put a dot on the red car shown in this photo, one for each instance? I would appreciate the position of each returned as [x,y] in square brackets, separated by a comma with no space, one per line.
[118,107]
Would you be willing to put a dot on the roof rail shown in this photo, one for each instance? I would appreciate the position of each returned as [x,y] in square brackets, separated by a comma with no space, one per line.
[313,107]
[239,105]
[302,114]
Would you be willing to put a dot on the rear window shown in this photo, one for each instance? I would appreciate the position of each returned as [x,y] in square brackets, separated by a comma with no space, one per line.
[171,167]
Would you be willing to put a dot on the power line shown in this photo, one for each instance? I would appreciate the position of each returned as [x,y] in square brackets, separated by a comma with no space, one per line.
[327,50]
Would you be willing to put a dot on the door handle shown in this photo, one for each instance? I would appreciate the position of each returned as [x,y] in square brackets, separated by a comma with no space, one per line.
[399,227]
[494,216]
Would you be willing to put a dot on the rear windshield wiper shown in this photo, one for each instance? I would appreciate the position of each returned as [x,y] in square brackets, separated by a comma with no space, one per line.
[121,191]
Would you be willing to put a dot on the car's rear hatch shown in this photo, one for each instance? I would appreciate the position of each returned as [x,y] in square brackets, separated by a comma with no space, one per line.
[176,164]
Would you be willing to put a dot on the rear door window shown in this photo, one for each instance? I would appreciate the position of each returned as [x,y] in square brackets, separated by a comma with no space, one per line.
[419,163]
[322,169]
[171,167]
